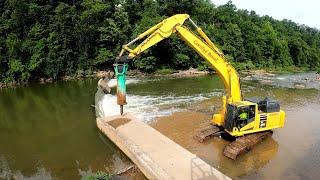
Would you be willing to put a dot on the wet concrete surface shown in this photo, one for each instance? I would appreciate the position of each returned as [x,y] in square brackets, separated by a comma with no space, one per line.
[118,122]
[156,155]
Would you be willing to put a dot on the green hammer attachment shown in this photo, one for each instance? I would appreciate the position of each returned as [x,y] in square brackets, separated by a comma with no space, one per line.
[120,69]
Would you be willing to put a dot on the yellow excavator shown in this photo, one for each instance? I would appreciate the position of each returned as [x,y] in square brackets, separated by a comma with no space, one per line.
[249,121]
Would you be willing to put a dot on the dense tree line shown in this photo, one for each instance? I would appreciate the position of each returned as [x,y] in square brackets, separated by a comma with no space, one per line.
[55,38]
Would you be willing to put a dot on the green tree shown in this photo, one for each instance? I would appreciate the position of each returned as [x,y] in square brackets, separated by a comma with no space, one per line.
[57,38]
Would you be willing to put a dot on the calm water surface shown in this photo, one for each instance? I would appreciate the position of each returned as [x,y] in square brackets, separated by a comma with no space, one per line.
[48,131]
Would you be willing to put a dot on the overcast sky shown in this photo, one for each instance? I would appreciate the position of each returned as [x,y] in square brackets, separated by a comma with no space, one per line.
[300,11]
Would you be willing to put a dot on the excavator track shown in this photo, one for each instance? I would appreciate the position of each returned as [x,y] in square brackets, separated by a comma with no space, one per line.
[207,132]
[244,144]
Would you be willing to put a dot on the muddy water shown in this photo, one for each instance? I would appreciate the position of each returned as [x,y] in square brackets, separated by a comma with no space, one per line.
[293,152]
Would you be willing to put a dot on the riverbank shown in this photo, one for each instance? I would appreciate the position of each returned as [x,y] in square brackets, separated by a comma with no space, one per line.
[101,74]
[245,75]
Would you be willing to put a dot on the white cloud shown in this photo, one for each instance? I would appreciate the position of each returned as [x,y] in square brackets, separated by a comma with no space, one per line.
[302,12]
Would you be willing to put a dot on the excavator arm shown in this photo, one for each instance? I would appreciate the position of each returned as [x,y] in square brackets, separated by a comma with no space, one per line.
[204,47]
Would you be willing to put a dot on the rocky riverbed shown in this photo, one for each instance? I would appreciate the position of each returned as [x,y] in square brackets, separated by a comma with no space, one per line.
[305,80]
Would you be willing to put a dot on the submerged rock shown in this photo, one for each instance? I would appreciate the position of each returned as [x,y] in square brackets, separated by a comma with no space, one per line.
[190,72]
[299,85]
[261,73]
[266,81]
[247,78]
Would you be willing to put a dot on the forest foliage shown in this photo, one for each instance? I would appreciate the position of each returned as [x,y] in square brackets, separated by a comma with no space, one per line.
[53,38]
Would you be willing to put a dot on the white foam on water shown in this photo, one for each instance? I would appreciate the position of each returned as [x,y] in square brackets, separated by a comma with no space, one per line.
[146,108]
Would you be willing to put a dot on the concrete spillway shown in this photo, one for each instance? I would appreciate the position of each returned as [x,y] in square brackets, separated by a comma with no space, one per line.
[155,155]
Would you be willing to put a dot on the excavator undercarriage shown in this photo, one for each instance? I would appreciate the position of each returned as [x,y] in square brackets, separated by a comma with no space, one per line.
[244,143]
[237,147]
[207,132]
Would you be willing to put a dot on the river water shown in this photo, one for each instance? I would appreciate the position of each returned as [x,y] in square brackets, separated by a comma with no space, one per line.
[48,131]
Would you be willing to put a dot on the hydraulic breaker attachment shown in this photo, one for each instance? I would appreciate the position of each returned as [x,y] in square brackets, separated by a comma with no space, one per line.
[120,69]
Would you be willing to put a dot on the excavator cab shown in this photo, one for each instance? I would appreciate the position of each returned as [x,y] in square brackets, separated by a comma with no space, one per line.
[238,115]
[247,116]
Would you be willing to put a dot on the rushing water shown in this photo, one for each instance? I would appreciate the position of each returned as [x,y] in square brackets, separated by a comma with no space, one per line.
[48,131]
